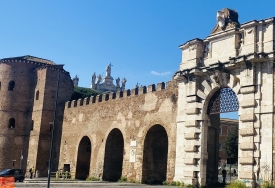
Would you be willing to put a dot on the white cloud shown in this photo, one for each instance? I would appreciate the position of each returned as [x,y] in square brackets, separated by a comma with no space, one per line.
[160,73]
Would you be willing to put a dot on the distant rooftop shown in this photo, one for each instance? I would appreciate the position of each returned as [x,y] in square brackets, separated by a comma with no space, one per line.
[31,58]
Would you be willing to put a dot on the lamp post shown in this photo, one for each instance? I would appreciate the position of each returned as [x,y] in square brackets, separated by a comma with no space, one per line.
[52,132]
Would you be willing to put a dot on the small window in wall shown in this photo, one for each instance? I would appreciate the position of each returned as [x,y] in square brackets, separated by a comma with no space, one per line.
[37,95]
[0,85]
[13,163]
[11,85]
[220,145]
[220,131]
[12,123]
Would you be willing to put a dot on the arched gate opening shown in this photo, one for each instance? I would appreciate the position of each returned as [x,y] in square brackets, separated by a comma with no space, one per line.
[113,158]
[223,101]
[155,154]
[83,158]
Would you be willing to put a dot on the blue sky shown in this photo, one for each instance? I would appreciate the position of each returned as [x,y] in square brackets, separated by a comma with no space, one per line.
[139,37]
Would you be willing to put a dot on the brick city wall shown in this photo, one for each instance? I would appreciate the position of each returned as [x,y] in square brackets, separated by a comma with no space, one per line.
[132,114]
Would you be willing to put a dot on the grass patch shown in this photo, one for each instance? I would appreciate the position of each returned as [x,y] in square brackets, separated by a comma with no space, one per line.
[92,179]
[236,184]
[122,179]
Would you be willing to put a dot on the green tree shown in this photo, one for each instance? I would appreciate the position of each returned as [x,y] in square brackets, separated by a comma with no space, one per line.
[230,146]
[82,92]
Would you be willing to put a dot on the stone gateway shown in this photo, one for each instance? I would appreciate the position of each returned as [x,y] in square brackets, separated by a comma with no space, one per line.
[168,131]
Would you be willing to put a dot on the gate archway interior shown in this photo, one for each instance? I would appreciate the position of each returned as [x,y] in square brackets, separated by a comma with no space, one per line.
[223,101]
[83,158]
[113,158]
[155,154]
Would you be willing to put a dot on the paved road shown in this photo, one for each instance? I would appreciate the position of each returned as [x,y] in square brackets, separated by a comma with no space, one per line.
[42,182]
[82,184]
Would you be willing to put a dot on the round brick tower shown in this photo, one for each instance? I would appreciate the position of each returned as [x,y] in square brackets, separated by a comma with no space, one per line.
[19,92]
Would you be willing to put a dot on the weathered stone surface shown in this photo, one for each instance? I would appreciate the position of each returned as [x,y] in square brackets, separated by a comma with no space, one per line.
[247,131]
[246,175]
[190,148]
[191,111]
[191,123]
[248,116]
[189,161]
[247,146]
[246,160]
[248,103]
[190,136]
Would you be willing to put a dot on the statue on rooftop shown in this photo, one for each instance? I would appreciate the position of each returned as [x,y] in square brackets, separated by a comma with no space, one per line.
[117,82]
[108,70]
[75,81]
[99,79]
[123,82]
[93,78]
[226,19]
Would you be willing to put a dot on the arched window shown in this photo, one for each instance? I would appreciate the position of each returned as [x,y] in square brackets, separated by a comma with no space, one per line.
[37,95]
[12,123]
[11,85]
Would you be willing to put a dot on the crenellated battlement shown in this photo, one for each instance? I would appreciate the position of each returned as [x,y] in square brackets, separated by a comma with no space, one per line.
[120,94]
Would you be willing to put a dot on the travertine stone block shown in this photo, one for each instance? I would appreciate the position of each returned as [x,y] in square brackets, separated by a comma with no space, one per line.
[247,146]
[246,160]
[257,153]
[248,103]
[201,94]
[246,153]
[247,131]
[247,116]
[188,174]
[207,87]
[191,88]
[190,136]
[245,175]
[248,89]
[189,161]
[267,108]
[190,111]
[192,98]
[190,148]
[193,123]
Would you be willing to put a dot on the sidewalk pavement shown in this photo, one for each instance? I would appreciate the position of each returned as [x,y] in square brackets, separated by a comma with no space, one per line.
[42,182]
